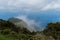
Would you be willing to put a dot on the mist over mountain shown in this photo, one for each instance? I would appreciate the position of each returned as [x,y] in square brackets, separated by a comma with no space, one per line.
[10,30]
[25,24]
[18,22]
[14,20]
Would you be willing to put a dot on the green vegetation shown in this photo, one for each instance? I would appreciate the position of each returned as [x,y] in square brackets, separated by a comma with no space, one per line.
[9,31]
[53,29]
[3,37]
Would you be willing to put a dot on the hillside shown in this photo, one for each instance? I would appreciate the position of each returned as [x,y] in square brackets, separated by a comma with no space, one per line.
[53,29]
[9,30]
[18,22]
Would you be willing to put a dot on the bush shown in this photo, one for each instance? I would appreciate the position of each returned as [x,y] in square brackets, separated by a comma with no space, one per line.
[5,31]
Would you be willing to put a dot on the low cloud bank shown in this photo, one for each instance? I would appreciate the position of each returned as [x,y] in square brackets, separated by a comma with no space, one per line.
[32,25]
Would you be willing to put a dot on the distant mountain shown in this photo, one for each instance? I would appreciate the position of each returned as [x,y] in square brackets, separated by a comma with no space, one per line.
[22,24]
[14,20]
[18,22]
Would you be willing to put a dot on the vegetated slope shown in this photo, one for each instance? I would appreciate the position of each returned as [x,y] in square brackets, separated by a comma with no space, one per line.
[9,30]
[53,29]
[3,37]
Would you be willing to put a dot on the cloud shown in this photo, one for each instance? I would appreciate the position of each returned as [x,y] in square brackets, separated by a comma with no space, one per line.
[24,5]
[54,5]
[32,25]
[29,5]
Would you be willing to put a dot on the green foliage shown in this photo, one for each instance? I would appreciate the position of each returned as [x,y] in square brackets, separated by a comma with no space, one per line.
[2,37]
[9,31]
[6,24]
[53,29]
[5,31]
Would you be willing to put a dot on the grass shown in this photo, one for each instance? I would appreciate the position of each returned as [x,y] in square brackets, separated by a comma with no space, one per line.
[2,37]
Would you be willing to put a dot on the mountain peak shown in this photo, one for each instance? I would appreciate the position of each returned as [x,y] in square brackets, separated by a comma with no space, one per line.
[14,20]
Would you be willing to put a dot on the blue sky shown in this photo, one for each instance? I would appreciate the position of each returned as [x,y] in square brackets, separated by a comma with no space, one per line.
[41,11]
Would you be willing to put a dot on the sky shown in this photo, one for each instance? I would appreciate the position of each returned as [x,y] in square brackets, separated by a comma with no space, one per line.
[41,11]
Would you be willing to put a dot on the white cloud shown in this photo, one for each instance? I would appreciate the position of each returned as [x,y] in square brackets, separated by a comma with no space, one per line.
[29,5]
[54,5]
[31,24]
